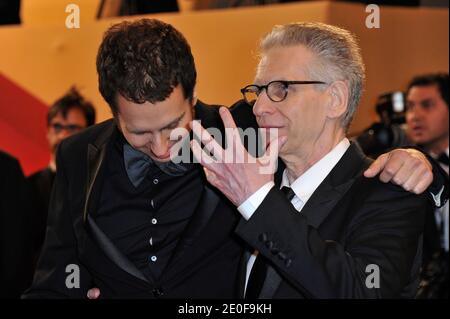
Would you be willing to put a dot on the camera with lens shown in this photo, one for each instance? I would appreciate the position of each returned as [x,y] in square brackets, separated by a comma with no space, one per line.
[389,132]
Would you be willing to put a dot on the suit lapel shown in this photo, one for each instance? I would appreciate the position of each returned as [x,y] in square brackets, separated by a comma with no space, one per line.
[242,273]
[112,252]
[321,204]
[95,157]
[95,160]
[334,186]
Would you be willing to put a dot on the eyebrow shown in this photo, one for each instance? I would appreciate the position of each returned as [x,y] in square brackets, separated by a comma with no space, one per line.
[426,100]
[173,123]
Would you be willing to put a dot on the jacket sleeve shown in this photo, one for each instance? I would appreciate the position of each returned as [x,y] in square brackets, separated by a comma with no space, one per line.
[384,231]
[59,273]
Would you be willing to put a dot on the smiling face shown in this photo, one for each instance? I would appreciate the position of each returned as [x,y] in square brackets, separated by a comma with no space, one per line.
[302,115]
[427,117]
[147,126]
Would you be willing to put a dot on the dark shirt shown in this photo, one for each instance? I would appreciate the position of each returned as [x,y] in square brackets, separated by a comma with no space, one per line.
[145,223]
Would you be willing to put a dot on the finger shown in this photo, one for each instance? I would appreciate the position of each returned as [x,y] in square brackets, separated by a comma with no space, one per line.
[414,177]
[208,141]
[376,166]
[420,156]
[210,176]
[274,147]
[392,166]
[227,118]
[424,183]
[93,293]
[405,172]
[269,160]
[231,131]
[204,159]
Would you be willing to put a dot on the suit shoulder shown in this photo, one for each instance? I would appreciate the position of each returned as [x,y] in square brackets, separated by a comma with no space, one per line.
[9,165]
[78,142]
[33,178]
[7,159]
[208,113]
[243,115]
[376,191]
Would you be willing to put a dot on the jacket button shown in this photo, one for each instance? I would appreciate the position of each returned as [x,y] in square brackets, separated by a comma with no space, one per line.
[157,292]
[262,237]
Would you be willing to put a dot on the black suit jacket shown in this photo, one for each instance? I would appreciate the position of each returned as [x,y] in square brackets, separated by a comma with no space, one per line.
[348,223]
[15,239]
[205,262]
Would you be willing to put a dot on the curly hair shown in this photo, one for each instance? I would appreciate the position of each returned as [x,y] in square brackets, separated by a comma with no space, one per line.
[72,99]
[144,61]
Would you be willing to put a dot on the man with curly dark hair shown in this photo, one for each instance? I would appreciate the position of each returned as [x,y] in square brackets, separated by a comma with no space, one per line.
[125,217]
[132,222]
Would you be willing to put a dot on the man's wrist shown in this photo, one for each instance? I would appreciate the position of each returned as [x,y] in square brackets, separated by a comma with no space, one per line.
[251,204]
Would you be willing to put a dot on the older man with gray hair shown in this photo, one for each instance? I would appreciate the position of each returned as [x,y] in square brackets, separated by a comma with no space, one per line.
[318,227]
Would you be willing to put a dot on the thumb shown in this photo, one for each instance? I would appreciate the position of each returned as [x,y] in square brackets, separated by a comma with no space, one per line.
[376,166]
[270,157]
[275,146]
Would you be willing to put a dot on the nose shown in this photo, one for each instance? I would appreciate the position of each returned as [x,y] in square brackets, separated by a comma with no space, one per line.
[263,105]
[414,114]
[63,134]
[160,147]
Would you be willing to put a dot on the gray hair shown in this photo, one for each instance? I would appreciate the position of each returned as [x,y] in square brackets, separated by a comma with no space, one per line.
[338,56]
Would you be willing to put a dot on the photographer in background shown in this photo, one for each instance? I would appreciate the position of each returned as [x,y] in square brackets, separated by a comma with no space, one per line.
[389,132]
[427,111]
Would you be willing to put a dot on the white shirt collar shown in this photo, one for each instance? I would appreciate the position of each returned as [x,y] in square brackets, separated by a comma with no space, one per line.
[305,185]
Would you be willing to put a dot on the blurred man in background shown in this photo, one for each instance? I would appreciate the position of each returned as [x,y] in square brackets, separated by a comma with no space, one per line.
[68,115]
[427,115]
[428,126]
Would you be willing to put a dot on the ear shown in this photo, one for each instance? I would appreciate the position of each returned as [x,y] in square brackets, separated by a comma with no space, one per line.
[194,99]
[338,99]
[194,95]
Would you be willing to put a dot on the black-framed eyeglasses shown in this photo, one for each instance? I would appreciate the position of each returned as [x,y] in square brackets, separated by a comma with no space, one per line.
[276,90]
[71,128]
